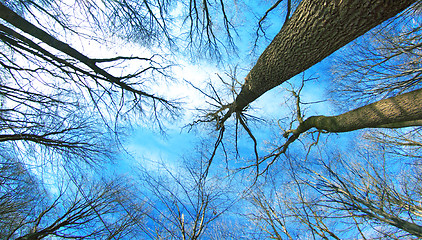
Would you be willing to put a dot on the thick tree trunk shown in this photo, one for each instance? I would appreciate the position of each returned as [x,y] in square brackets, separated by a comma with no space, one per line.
[401,111]
[316,29]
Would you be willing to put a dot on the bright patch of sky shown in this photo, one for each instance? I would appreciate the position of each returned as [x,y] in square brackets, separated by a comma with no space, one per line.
[147,145]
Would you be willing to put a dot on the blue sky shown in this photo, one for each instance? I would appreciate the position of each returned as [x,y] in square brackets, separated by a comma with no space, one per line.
[268,106]
[149,148]
[146,144]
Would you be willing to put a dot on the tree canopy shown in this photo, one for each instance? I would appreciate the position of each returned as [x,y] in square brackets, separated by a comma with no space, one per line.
[79,78]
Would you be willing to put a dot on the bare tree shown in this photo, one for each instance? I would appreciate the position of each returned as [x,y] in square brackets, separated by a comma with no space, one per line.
[101,209]
[302,42]
[307,38]
[382,64]
[63,103]
[84,68]
[373,190]
[339,195]
[20,192]
[394,112]
[188,203]
[57,99]
[401,142]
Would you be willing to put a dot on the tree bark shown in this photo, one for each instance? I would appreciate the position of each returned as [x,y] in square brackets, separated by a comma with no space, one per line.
[404,110]
[316,29]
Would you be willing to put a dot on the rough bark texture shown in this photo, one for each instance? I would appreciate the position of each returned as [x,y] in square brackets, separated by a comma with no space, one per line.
[400,111]
[316,29]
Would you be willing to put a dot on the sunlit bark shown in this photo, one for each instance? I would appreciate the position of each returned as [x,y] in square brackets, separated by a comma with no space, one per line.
[316,29]
[401,111]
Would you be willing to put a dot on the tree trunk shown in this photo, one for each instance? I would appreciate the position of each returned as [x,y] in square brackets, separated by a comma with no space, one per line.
[401,111]
[316,29]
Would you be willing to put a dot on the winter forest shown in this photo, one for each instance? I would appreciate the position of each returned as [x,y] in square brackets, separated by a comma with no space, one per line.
[212,119]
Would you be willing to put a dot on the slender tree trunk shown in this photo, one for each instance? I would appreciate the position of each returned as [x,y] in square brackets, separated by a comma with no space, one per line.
[401,111]
[316,29]
[22,24]
[371,210]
